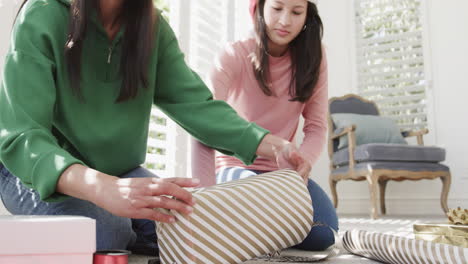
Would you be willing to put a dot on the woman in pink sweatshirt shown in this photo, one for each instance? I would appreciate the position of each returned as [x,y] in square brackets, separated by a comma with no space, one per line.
[272,78]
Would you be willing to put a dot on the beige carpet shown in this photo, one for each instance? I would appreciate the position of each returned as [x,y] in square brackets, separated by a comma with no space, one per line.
[396,225]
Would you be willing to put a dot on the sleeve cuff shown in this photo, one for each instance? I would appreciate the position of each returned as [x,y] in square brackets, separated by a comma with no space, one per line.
[249,142]
[47,171]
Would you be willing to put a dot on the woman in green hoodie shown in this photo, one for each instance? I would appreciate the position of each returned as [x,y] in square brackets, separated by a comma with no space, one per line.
[79,82]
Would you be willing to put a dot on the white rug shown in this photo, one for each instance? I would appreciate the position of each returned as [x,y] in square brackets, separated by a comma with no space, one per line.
[395,225]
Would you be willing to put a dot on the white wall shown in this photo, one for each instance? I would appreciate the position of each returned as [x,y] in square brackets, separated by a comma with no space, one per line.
[6,18]
[447,55]
[450,72]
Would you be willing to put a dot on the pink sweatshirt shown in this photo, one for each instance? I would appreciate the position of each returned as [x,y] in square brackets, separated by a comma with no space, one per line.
[232,80]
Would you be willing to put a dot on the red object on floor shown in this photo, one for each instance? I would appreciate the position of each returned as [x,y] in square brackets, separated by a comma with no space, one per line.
[111,257]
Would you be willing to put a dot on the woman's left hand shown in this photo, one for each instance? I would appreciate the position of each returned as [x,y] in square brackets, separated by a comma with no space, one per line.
[286,155]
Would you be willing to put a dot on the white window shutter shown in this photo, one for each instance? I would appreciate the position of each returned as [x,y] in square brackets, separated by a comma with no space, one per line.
[390,59]
[160,157]
[210,29]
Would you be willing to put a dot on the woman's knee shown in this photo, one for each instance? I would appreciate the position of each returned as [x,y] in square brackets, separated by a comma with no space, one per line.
[139,172]
[324,211]
[114,232]
[319,238]
[233,173]
[322,234]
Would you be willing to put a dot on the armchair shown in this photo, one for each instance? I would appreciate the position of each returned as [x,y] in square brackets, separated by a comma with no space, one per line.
[381,155]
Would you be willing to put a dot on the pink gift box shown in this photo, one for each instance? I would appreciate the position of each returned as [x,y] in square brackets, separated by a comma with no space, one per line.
[47,239]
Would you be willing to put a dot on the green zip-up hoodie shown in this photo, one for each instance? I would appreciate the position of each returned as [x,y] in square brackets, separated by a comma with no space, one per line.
[44,128]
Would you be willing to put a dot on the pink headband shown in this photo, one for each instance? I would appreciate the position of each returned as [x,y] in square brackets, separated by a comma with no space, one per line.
[253,5]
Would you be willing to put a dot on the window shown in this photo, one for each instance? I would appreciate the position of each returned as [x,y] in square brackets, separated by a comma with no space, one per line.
[390,59]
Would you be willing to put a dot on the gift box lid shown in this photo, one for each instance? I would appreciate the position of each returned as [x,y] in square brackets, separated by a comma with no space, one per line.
[30,235]
[441,229]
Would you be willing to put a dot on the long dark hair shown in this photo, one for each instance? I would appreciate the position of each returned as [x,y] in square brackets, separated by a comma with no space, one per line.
[139,18]
[305,50]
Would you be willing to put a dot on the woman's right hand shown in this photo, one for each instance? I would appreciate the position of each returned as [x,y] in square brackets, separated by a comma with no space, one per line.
[129,197]
[139,197]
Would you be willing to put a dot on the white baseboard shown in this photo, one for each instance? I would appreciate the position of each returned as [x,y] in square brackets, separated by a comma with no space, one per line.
[399,206]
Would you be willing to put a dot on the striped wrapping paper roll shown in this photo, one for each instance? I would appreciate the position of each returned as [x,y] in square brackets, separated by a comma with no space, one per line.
[239,220]
[398,250]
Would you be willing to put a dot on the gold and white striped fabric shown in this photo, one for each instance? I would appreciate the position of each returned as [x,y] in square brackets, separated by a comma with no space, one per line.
[239,220]
[396,250]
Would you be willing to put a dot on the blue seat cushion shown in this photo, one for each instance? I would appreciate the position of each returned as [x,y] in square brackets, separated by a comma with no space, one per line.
[390,152]
[369,129]
[395,166]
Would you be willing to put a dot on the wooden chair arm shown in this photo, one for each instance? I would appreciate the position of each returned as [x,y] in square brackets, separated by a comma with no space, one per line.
[351,147]
[344,131]
[419,134]
[350,132]
[415,133]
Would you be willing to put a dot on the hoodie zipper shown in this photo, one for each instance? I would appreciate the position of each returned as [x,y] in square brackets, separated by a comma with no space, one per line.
[109,57]
[109,61]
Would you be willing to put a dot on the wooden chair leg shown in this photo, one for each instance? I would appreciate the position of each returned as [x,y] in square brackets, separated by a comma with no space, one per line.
[333,191]
[446,181]
[373,189]
[382,185]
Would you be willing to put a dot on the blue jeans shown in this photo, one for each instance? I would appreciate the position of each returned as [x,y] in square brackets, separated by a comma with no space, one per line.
[320,236]
[112,232]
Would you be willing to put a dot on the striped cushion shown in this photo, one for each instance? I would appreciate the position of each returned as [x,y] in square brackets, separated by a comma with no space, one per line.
[239,220]
[396,250]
